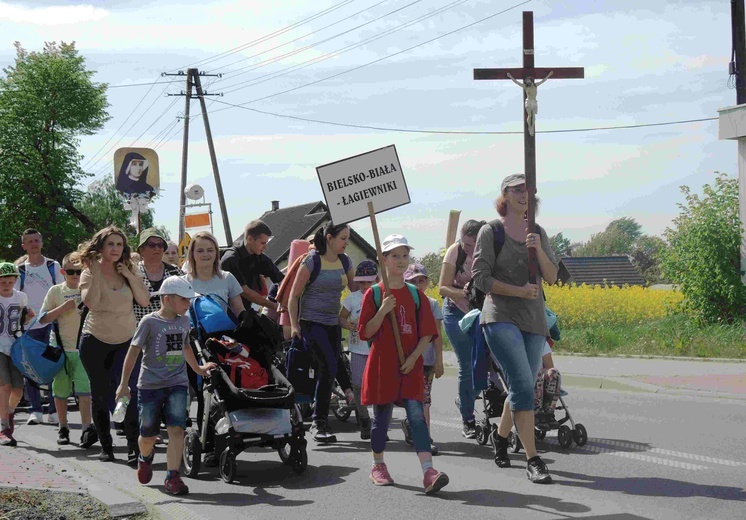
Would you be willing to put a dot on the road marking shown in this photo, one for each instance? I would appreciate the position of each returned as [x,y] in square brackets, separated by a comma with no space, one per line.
[610,447]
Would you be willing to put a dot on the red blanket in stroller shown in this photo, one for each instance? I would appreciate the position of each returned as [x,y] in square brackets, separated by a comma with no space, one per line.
[243,370]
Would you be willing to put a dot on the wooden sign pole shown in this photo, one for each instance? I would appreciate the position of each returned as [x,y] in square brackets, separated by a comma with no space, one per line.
[384,276]
[452,230]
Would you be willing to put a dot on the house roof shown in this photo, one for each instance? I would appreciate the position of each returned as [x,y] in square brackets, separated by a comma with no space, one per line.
[602,270]
[297,222]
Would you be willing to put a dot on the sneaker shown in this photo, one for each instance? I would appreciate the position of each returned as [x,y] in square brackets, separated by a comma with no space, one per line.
[321,433]
[52,418]
[365,429]
[107,454]
[63,436]
[88,438]
[144,470]
[379,474]
[6,438]
[407,432]
[176,486]
[133,453]
[469,429]
[12,422]
[434,449]
[434,481]
[34,418]
[500,445]
[537,471]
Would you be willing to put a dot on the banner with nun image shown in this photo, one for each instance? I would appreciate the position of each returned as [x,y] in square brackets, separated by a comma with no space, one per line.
[136,171]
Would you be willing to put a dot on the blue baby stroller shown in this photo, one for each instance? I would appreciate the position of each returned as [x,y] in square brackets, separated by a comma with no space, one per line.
[235,419]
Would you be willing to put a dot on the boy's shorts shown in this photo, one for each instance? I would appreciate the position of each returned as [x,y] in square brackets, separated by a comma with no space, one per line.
[9,374]
[171,400]
[429,375]
[72,374]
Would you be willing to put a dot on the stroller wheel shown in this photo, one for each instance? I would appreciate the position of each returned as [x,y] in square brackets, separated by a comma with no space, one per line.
[300,463]
[483,433]
[341,411]
[564,436]
[579,435]
[284,453]
[227,466]
[514,443]
[192,454]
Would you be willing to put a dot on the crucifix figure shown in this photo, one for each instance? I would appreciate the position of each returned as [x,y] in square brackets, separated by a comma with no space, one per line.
[531,104]
[527,73]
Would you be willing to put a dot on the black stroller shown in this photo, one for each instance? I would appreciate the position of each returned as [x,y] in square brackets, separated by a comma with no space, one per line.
[235,419]
[493,399]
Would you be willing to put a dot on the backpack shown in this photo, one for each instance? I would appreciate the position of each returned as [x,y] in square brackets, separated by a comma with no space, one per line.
[377,300]
[283,293]
[208,317]
[22,273]
[299,367]
[243,370]
[473,294]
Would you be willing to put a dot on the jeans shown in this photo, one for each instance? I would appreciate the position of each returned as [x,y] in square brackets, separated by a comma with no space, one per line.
[103,363]
[462,346]
[32,391]
[169,402]
[325,342]
[519,355]
[415,416]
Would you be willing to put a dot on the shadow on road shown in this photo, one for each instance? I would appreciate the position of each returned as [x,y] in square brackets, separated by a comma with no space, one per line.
[506,499]
[649,486]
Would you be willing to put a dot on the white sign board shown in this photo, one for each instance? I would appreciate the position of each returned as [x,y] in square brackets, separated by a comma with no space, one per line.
[351,183]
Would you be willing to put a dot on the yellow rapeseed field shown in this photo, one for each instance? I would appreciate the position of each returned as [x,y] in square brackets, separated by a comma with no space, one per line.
[586,305]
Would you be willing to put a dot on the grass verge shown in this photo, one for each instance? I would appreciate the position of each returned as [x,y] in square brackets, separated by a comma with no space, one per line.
[33,504]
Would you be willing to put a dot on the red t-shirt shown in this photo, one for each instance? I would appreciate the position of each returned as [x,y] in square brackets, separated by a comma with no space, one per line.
[383,383]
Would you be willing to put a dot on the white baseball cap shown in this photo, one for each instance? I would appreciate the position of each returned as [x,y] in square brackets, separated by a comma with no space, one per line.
[394,241]
[177,285]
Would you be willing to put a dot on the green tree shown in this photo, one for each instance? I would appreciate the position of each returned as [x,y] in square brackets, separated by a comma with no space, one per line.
[703,256]
[618,238]
[646,255]
[560,245]
[47,102]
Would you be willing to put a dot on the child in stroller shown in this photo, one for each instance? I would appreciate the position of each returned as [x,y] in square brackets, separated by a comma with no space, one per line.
[238,418]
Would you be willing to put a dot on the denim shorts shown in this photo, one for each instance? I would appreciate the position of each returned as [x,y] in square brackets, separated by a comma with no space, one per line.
[172,401]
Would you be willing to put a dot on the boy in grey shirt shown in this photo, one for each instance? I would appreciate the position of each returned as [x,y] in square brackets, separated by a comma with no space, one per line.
[163,339]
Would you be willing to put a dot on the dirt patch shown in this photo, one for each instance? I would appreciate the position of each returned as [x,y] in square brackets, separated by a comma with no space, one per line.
[32,504]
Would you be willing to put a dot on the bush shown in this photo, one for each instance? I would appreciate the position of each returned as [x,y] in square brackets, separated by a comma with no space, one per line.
[704,253]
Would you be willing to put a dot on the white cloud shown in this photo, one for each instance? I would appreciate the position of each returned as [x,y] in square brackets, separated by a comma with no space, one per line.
[53,15]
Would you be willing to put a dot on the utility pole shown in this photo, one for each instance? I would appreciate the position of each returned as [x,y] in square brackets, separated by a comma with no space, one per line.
[739,49]
[214,160]
[193,80]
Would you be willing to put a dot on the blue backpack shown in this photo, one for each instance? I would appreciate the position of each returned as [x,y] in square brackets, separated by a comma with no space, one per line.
[208,317]
[36,360]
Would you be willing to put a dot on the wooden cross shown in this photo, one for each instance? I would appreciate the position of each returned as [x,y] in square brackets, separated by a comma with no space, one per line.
[528,71]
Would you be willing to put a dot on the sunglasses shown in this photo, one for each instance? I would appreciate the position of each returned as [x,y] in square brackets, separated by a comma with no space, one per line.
[73,272]
[155,245]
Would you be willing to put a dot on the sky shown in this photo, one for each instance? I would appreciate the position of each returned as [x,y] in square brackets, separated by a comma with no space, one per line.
[407,65]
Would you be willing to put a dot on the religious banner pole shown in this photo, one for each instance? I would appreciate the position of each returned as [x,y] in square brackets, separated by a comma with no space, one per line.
[529,74]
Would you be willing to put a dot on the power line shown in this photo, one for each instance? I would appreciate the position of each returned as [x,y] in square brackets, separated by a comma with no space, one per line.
[383,58]
[268,36]
[464,132]
[232,74]
[153,84]
[341,50]
[76,88]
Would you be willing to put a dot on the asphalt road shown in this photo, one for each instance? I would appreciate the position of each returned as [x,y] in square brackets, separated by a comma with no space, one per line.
[649,456]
